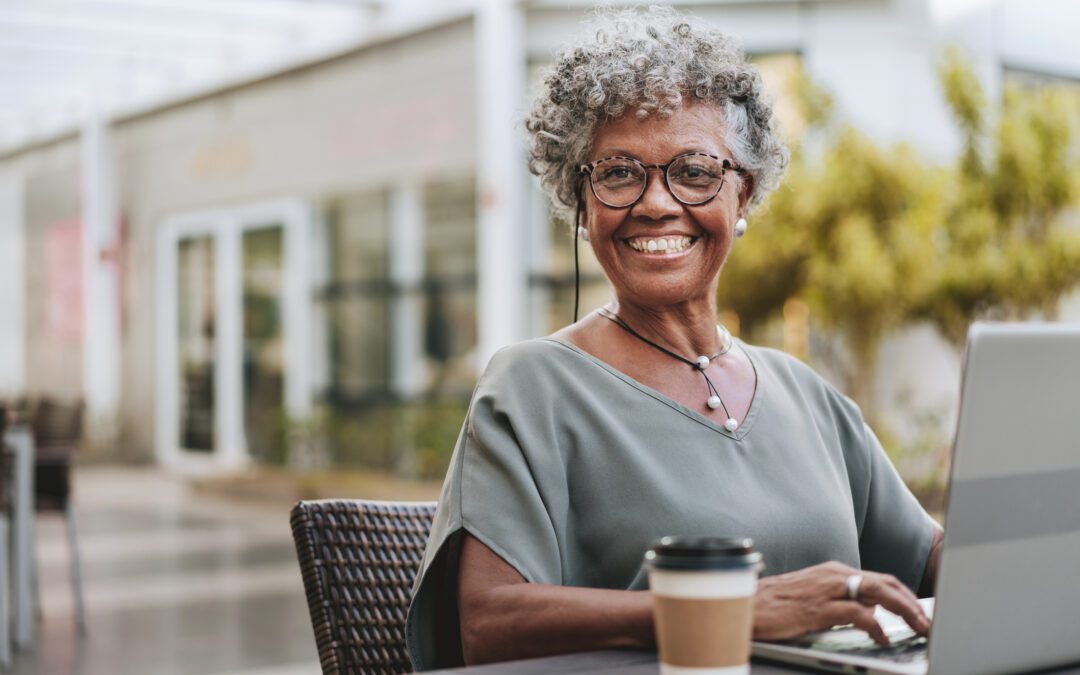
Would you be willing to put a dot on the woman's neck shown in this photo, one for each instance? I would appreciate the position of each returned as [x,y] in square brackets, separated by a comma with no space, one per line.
[688,328]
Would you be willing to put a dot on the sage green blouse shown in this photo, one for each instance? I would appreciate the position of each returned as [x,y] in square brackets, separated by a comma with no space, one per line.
[568,469]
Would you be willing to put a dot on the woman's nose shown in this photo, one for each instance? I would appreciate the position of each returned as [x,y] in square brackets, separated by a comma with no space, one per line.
[657,202]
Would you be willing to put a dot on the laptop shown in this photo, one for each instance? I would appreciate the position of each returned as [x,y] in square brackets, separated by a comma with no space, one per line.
[1008,586]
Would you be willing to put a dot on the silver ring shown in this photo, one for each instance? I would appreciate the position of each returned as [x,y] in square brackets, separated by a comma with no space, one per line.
[853,583]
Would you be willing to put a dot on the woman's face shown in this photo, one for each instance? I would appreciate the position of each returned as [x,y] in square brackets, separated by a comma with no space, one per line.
[620,237]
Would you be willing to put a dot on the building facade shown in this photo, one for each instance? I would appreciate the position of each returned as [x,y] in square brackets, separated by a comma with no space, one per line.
[362,230]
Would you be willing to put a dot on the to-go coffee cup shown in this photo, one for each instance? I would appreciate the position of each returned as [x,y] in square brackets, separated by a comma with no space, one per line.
[703,602]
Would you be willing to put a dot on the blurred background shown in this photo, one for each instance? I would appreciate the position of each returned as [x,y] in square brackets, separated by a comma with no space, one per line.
[266,247]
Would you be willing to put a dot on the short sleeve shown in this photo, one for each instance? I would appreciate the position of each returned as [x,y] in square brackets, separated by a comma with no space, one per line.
[504,488]
[895,532]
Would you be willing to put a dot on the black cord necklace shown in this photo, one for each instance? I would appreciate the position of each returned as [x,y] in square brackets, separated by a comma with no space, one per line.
[700,364]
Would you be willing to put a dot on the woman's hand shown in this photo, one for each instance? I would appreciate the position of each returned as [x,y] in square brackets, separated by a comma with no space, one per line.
[815,598]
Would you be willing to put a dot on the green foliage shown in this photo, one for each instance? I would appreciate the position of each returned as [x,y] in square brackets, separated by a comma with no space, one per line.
[1004,248]
[815,104]
[964,95]
[849,232]
[875,237]
[413,439]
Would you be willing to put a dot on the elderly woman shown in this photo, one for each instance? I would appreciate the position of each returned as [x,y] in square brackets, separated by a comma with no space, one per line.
[645,418]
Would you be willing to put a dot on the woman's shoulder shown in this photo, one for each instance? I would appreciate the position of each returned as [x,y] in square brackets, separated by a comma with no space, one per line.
[535,353]
[779,361]
[537,363]
[794,373]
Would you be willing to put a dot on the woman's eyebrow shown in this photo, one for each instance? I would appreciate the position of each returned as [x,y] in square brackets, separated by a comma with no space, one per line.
[619,152]
[615,152]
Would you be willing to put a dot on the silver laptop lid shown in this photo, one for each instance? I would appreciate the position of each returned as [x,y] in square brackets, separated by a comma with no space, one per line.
[1008,589]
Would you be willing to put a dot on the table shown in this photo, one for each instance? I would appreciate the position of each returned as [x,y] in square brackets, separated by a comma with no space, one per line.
[632,663]
[608,661]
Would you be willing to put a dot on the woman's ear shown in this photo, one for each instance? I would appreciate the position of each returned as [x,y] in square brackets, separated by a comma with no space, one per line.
[746,188]
[581,213]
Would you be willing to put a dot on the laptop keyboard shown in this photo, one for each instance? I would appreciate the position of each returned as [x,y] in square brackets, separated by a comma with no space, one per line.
[909,649]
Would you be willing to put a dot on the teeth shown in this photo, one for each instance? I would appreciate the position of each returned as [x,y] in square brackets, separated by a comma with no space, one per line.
[665,245]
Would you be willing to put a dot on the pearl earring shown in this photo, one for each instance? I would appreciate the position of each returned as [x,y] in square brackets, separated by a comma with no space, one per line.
[583,234]
[740,227]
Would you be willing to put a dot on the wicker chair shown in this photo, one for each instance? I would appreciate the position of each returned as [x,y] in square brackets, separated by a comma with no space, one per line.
[359,559]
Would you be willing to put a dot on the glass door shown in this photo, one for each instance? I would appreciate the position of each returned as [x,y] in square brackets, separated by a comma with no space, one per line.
[196,319]
[234,306]
[264,369]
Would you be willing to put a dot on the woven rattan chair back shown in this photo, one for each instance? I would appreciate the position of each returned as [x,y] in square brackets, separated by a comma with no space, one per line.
[359,559]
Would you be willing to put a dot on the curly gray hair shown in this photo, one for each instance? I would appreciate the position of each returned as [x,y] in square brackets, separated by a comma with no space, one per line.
[648,61]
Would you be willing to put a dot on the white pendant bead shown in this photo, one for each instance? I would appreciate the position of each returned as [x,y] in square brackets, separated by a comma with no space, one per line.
[713,402]
[703,362]
[731,424]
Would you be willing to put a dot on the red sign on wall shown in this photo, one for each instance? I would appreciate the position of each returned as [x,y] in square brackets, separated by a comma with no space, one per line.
[63,282]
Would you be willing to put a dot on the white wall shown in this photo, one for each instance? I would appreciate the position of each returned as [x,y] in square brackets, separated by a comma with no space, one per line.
[12,284]
[1040,35]
[878,60]
[398,112]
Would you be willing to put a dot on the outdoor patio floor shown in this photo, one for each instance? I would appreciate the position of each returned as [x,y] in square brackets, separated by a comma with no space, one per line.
[175,582]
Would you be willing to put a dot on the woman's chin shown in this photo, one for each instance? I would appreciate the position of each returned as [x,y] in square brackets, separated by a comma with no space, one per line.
[663,291]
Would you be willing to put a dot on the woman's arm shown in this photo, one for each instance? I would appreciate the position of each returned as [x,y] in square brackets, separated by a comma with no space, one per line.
[926,588]
[503,617]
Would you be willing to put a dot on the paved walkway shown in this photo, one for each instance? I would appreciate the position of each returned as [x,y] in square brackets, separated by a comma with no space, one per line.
[175,582]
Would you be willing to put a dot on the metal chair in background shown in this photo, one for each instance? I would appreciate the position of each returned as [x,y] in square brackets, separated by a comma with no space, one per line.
[57,429]
[358,560]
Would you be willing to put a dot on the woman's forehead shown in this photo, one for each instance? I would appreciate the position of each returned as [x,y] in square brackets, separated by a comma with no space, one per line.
[656,139]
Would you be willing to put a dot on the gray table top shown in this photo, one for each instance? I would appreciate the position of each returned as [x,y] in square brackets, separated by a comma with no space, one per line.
[630,662]
[633,663]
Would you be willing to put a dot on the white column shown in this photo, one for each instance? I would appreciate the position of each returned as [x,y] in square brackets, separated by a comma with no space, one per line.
[407,307]
[228,342]
[12,284]
[101,312]
[319,272]
[166,325]
[501,176]
[297,312]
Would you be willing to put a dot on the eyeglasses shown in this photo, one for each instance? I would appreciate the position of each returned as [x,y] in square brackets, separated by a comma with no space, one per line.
[693,178]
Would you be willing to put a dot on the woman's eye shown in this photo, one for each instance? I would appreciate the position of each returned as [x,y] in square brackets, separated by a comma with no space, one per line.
[618,173]
[695,172]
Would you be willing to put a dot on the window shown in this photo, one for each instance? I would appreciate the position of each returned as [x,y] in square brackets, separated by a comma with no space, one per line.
[450,286]
[370,422]
[357,296]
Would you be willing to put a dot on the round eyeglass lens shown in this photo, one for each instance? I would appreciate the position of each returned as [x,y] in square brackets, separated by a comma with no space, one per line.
[694,179]
[618,181]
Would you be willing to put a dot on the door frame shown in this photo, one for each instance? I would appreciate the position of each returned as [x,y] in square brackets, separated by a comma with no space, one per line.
[227,227]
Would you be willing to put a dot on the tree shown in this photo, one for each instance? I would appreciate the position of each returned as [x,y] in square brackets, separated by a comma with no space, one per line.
[1005,246]
[848,232]
[875,237]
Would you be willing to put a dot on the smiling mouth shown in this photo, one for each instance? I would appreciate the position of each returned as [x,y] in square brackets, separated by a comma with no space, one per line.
[661,245]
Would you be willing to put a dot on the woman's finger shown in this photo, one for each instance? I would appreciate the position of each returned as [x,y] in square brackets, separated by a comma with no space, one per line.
[876,590]
[899,586]
[864,619]
[839,612]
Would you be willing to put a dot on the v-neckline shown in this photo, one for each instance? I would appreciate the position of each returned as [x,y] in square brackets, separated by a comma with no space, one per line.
[739,433]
